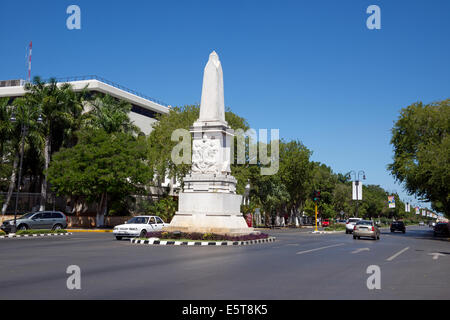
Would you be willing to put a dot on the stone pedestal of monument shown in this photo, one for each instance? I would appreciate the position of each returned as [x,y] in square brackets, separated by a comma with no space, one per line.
[209,203]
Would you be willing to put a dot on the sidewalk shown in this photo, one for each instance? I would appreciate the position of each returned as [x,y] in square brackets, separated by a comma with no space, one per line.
[90,230]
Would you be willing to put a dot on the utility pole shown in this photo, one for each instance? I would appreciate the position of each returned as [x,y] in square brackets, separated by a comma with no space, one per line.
[316,199]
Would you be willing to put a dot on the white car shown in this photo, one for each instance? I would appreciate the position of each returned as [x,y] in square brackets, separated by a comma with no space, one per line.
[351,224]
[139,227]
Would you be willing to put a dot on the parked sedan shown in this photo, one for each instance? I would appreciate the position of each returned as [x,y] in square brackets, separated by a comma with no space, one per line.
[139,227]
[46,220]
[365,228]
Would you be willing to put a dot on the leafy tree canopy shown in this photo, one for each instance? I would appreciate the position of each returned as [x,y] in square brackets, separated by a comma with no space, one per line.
[101,164]
[161,144]
[421,141]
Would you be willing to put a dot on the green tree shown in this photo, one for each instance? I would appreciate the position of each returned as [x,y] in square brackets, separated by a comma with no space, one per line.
[6,135]
[272,195]
[100,166]
[58,107]
[295,173]
[374,203]
[161,144]
[342,195]
[324,180]
[25,117]
[109,114]
[165,208]
[421,141]
[6,126]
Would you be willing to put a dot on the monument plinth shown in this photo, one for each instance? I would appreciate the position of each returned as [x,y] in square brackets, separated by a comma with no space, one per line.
[209,203]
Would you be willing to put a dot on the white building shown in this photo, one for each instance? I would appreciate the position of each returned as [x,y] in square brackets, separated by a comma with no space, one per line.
[144,109]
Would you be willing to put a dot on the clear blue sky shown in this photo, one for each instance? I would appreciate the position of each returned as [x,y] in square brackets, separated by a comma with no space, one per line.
[309,68]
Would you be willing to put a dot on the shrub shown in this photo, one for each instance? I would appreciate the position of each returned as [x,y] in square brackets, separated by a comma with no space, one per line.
[205,236]
[165,208]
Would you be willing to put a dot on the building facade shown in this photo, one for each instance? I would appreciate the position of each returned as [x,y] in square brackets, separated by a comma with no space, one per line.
[144,110]
[144,113]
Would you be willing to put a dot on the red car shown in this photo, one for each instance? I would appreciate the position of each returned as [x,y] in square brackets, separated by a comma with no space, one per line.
[326,223]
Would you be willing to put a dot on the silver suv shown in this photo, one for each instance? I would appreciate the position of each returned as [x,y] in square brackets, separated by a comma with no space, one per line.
[45,220]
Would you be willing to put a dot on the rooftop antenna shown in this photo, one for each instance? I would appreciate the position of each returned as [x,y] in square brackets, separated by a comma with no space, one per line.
[29,53]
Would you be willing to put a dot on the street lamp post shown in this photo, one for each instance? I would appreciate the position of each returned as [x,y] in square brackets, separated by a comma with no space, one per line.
[357,182]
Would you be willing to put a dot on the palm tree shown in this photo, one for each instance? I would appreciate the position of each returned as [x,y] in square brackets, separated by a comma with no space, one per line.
[6,126]
[110,114]
[24,128]
[59,107]
[75,102]
[6,133]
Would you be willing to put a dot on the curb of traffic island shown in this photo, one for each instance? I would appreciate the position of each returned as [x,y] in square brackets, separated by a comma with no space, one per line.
[327,232]
[202,243]
[36,235]
[90,231]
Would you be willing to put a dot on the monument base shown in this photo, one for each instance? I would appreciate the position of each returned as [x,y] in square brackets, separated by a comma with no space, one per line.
[206,212]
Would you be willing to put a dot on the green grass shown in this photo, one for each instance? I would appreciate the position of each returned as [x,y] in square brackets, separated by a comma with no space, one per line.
[32,232]
[2,234]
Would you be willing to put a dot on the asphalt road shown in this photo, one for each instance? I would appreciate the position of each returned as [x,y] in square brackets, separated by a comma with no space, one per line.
[298,266]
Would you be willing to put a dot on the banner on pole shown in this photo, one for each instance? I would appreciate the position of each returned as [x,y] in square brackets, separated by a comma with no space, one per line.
[357,190]
[407,207]
[417,211]
[391,200]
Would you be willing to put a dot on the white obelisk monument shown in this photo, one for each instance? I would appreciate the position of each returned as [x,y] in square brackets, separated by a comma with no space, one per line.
[209,203]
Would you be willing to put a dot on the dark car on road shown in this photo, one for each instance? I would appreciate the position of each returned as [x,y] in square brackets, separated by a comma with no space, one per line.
[398,226]
[441,230]
[46,220]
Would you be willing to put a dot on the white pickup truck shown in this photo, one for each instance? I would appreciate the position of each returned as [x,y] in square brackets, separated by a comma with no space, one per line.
[139,227]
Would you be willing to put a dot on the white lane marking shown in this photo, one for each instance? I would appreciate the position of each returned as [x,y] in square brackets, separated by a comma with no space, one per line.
[313,250]
[360,250]
[397,254]
[436,255]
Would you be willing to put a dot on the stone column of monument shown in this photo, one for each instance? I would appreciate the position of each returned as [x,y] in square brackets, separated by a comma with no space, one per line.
[209,203]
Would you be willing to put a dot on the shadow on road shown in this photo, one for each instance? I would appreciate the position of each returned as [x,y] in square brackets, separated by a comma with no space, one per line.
[420,234]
